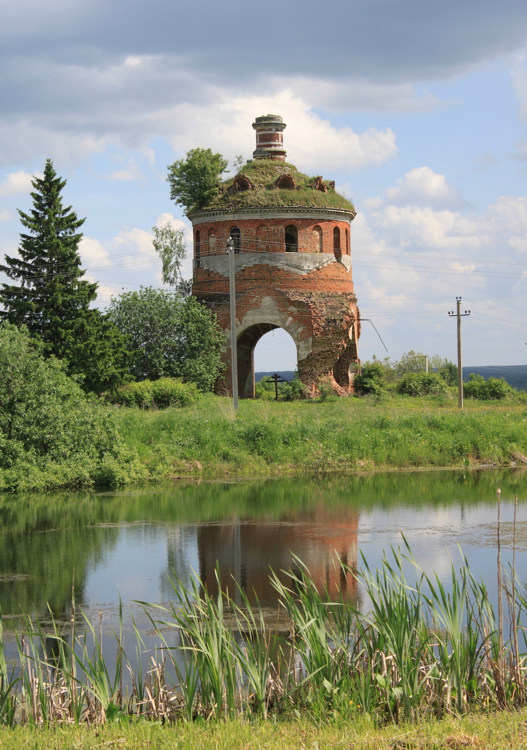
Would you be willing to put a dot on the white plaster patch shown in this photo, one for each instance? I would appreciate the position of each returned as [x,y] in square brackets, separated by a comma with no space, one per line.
[300,263]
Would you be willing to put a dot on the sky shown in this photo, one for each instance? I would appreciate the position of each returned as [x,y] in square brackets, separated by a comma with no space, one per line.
[416,108]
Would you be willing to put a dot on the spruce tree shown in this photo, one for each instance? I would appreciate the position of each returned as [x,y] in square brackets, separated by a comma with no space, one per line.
[51,298]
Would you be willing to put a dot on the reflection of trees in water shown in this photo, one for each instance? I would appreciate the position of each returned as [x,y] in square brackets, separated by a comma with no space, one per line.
[44,550]
[182,557]
[45,541]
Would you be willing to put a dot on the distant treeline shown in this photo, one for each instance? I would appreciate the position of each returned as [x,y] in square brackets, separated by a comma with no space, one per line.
[515,375]
[286,374]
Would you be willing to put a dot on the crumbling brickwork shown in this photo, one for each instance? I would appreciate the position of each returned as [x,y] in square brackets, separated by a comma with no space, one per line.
[293,271]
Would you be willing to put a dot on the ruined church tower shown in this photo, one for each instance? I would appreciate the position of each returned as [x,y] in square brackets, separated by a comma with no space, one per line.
[291,236]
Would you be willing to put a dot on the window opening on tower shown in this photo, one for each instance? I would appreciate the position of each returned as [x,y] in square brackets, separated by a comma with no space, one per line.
[291,239]
[236,237]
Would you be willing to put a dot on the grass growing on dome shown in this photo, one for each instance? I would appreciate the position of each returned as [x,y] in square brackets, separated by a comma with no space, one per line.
[263,174]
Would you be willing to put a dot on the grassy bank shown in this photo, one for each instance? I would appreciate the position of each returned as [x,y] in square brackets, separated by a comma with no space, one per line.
[340,437]
[491,731]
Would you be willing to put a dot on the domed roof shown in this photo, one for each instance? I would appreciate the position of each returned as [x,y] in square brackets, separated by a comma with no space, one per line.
[268,183]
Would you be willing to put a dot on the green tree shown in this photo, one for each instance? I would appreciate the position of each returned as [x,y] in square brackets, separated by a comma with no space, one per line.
[51,297]
[169,243]
[194,180]
[169,336]
[51,433]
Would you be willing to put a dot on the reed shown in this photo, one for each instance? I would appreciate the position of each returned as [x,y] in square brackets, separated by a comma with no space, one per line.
[7,687]
[419,650]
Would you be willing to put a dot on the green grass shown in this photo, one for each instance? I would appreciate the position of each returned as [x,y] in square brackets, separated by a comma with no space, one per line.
[263,174]
[313,438]
[490,731]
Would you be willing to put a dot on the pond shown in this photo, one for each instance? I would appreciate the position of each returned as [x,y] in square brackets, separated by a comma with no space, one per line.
[127,546]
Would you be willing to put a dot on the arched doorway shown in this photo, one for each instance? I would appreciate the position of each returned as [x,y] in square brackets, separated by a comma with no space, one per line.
[275,354]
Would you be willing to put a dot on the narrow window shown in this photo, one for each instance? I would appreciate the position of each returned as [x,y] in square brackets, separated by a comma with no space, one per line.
[291,239]
[212,241]
[197,253]
[319,247]
[347,240]
[336,239]
[236,238]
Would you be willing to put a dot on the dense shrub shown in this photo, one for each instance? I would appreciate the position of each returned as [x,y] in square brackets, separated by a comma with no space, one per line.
[156,394]
[372,379]
[492,389]
[421,384]
[51,433]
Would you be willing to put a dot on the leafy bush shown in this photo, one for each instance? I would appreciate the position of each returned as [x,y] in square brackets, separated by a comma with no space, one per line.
[293,390]
[51,433]
[372,379]
[325,390]
[421,384]
[492,389]
[156,394]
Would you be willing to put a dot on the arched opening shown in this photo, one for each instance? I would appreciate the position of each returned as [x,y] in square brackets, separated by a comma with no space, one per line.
[336,240]
[341,368]
[276,352]
[319,246]
[197,248]
[236,236]
[348,241]
[291,239]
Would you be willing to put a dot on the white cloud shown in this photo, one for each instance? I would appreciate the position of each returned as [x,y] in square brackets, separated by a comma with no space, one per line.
[136,241]
[6,214]
[424,187]
[310,140]
[93,253]
[357,94]
[168,218]
[16,183]
[105,294]
[123,175]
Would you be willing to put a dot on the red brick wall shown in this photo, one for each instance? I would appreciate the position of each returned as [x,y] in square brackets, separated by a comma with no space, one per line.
[316,306]
[253,231]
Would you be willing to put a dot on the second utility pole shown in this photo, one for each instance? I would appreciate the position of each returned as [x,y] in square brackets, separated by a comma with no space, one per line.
[459,315]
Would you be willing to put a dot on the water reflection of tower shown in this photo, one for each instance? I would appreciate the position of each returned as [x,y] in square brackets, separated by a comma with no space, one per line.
[246,551]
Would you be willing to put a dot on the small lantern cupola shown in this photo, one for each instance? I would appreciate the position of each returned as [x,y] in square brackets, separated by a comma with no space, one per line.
[269,137]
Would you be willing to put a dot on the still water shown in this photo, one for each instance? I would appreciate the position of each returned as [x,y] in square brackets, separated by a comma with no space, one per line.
[127,546]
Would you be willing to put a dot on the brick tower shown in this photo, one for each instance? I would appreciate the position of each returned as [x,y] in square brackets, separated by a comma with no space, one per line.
[291,236]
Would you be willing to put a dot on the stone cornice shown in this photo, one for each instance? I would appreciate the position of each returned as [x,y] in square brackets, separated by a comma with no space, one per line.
[206,216]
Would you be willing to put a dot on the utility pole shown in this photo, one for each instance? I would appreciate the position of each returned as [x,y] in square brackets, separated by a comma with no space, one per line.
[234,348]
[459,315]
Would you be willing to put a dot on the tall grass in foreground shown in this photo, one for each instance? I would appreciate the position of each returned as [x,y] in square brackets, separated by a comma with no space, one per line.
[419,651]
